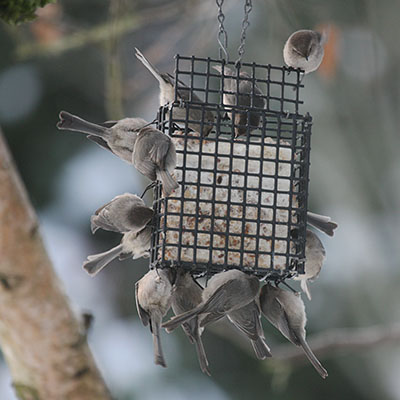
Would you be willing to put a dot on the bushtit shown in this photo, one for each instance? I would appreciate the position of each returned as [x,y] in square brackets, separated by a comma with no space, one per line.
[116,136]
[245,97]
[133,244]
[186,295]
[226,292]
[322,223]
[153,294]
[315,257]
[247,320]
[304,49]
[167,96]
[124,213]
[285,310]
[154,155]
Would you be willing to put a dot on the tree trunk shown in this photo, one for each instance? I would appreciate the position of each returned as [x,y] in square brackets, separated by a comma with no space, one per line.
[43,342]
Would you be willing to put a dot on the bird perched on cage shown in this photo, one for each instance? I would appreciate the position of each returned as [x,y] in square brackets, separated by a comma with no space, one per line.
[242,93]
[154,155]
[226,292]
[167,96]
[153,294]
[285,310]
[133,244]
[305,50]
[247,320]
[116,136]
[186,295]
[315,258]
[124,213]
[322,223]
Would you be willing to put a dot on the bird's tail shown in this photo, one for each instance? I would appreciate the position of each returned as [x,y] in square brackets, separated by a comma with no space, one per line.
[201,354]
[71,122]
[305,287]
[210,318]
[97,262]
[168,182]
[158,353]
[174,322]
[314,361]
[155,72]
[206,307]
[261,348]
[322,222]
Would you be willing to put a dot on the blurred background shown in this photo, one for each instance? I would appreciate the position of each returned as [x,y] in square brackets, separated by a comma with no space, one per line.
[78,56]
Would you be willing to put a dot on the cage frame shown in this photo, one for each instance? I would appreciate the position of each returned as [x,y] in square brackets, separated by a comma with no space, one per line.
[167,123]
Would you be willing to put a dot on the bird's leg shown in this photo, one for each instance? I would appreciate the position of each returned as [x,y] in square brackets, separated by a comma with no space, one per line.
[287,285]
[264,278]
[226,116]
[300,81]
[175,126]
[151,185]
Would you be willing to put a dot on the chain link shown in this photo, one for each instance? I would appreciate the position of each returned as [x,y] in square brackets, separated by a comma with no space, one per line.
[245,24]
[222,34]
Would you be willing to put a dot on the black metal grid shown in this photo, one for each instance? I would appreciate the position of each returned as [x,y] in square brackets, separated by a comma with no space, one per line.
[240,199]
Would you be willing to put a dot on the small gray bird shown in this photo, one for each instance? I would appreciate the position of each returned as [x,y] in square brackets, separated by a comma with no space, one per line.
[247,96]
[167,96]
[322,223]
[285,310]
[226,292]
[116,136]
[154,155]
[133,244]
[186,295]
[247,320]
[315,257]
[124,213]
[153,294]
[304,49]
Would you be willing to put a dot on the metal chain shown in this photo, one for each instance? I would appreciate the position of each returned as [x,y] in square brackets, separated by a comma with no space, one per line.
[245,24]
[222,35]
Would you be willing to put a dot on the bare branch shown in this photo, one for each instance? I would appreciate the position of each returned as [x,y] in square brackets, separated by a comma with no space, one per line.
[329,343]
[100,33]
[42,340]
[325,345]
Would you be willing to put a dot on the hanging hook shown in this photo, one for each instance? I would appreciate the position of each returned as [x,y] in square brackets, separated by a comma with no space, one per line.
[222,34]
[245,24]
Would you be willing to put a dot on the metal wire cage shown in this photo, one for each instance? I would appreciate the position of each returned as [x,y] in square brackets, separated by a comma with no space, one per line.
[242,201]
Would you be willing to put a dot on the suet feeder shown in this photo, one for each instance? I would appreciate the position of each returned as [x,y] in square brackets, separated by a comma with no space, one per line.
[240,199]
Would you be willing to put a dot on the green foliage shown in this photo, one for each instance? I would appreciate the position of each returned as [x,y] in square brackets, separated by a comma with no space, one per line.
[17,11]
[25,392]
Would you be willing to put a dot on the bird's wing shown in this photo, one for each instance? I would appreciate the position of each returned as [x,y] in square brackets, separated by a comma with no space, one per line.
[159,151]
[108,124]
[143,215]
[99,141]
[247,324]
[141,160]
[147,168]
[218,302]
[102,223]
[143,315]
[284,325]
